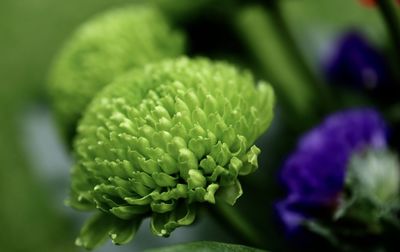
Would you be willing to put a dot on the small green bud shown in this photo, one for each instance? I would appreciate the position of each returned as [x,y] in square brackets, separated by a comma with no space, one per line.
[103,48]
[196,179]
[375,175]
[131,164]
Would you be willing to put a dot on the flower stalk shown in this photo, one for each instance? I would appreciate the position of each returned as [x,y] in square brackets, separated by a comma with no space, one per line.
[238,224]
[268,38]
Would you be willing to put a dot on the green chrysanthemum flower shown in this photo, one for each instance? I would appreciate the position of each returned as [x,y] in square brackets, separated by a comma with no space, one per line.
[103,48]
[161,139]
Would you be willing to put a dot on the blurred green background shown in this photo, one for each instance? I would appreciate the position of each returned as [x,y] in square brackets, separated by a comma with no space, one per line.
[32,215]
[31,31]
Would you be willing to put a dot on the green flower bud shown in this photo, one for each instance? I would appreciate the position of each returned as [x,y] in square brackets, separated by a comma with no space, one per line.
[162,139]
[103,48]
[375,175]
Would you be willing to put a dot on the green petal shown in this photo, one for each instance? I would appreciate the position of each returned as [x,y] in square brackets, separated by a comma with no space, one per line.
[139,201]
[196,179]
[163,207]
[164,224]
[144,178]
[187,161]
[250,164]
[81,202]
[129,212]
[124,231]
[94,232]
[180,191]
[210,195]
[100,226]
[168,164]
[230,194]
[208,164]
[164,180]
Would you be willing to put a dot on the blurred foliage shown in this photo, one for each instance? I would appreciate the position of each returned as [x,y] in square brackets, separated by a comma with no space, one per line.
[31,32]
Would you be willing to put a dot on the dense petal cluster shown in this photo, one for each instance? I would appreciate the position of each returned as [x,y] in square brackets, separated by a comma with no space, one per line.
[103,48]
[314,175]
[163,138]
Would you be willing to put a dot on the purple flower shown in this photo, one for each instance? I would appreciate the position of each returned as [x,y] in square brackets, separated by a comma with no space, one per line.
[314,174]
[357,63]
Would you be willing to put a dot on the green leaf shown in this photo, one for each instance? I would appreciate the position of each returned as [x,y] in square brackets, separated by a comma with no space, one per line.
[206,246]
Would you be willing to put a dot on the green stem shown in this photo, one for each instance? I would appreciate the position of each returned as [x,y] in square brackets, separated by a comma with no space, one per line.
[319,87]
[231,218]
[391,18]
[290,43]
[269,40]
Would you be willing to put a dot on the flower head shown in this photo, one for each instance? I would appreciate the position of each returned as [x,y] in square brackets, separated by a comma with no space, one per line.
[103,48]
[162,139]
[357,63]
[314,175]
[375,175]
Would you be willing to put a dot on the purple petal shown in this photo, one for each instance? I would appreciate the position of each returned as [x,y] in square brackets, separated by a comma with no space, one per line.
[314,174]
[357,63]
